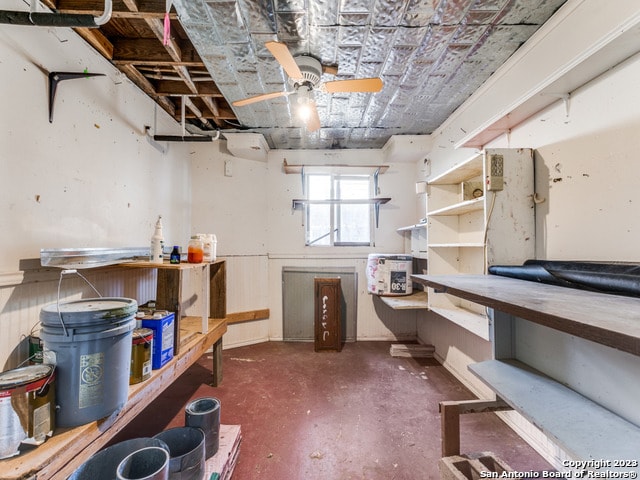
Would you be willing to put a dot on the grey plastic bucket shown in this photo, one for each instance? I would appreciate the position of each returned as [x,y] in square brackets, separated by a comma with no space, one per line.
[187,451]
[89,341]
[103,465]
[149,463]
[204,413]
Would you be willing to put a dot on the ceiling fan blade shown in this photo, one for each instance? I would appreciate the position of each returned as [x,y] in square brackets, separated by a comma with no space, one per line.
[357,85]
[313,123]
[259,98]
[282,54]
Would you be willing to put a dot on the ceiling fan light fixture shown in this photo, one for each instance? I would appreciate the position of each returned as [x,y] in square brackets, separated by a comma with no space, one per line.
[304,101]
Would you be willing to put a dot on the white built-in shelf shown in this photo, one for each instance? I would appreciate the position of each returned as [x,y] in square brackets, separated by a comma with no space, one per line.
[461,208]
[463,236]
[473,322]
[461,172]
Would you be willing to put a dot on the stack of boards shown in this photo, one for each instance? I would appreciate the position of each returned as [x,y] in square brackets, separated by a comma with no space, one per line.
[222,464]
[413,350]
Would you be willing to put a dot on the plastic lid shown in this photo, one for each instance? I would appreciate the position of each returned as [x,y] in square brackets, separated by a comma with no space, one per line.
[88,310]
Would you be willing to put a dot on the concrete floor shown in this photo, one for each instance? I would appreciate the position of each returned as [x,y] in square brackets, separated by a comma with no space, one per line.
[354,414]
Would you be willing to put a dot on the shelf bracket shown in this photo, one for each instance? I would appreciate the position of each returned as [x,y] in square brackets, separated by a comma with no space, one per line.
[565,97]
[56,77]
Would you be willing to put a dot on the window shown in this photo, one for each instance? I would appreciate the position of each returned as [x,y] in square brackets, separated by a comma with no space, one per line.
[339,211]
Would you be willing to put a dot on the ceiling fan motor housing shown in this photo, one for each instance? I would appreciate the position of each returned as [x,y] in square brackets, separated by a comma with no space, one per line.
[310,68]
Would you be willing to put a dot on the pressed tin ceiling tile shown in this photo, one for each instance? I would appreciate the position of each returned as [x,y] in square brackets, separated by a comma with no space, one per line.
[430,54]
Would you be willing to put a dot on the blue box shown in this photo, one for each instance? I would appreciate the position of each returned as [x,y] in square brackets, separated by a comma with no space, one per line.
[163,326]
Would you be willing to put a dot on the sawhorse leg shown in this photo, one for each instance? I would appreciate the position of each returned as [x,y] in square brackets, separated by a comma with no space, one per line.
[217,363]
[450,412]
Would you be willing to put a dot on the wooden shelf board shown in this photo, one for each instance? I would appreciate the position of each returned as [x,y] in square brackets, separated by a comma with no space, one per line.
[331,167]
[610,320]
[166,265]
[415,301]
[68,448]
[248,316]
[579,426]
[459,208]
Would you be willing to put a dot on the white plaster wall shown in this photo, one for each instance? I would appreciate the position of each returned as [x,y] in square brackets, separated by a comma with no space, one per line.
[250,212]
[90,178]
[587,169]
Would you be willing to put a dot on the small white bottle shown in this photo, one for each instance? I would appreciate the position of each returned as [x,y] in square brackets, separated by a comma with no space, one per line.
[206,246]
[157,243]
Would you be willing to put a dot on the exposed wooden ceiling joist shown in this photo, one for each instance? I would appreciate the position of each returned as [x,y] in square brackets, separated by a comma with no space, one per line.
[133,40]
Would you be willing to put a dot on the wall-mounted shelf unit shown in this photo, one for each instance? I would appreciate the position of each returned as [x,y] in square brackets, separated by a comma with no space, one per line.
[470,227]
[302,170]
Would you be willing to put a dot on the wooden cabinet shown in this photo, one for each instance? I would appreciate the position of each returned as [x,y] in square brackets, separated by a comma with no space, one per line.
[470,226]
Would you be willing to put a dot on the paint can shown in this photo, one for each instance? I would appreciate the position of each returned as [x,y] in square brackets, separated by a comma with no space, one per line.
[204,413]
[141,350]
[103,465]
[389,275]
[89,341]
[27,407]
[187,452]
[35,349]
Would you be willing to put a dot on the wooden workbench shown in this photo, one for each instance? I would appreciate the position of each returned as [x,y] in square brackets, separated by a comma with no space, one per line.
[69,448]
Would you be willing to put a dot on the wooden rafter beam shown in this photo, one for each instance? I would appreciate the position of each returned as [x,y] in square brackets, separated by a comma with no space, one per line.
[140,80]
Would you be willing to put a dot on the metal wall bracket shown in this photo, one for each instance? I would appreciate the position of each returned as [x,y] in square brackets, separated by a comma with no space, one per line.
[56,77]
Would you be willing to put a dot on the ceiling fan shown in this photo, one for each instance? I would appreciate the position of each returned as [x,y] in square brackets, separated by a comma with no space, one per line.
[304,72]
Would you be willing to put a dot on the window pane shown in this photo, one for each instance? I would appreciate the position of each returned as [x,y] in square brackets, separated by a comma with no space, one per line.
[355,187]
[353,223]
[319,225]
[319,187]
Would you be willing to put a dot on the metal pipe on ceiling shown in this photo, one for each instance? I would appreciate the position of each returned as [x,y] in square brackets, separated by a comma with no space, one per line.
[42,19]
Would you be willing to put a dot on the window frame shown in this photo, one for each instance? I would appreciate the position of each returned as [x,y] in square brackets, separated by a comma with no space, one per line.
[335,204]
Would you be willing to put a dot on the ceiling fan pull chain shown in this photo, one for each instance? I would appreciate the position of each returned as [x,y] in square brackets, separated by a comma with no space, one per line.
[167,24]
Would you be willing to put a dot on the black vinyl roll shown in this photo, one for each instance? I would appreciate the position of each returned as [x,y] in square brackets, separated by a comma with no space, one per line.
[617,278]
